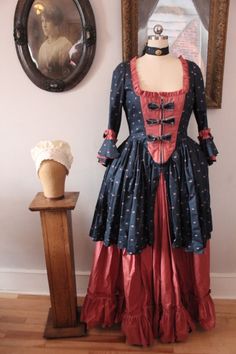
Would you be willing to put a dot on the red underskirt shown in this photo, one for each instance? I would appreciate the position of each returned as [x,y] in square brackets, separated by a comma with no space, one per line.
[160,293]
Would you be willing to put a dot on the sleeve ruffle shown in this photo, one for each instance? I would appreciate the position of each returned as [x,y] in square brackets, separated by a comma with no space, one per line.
[207,145]
[108,150]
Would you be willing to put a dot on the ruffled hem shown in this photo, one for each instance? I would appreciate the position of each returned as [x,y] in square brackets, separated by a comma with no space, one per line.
[175,324]
[139,91]
[207,318]
[102,310]
[138,328]
[202,310]
[168,324]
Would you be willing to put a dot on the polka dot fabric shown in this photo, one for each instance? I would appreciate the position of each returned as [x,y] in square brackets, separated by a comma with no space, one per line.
[152,221]
[125,205]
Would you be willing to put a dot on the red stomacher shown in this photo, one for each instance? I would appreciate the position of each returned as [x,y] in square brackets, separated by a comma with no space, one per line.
[158,107]
[110,134]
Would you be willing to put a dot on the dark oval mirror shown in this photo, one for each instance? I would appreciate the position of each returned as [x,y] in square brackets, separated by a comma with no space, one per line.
[55,41]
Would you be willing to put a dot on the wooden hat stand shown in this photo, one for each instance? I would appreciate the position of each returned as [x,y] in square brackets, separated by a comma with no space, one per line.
[55,213]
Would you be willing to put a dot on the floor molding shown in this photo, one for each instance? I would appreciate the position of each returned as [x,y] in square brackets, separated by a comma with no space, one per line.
[24,281]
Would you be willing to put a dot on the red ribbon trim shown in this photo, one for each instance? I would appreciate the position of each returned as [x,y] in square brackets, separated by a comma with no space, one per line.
[109,134]
[205,134]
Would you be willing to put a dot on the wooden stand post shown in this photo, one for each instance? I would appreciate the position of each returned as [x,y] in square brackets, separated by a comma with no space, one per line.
[64,314]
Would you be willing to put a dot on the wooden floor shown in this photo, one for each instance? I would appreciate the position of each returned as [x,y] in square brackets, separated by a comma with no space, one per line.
[23,317]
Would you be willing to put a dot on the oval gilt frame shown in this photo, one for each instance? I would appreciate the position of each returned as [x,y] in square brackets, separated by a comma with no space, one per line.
[87,50]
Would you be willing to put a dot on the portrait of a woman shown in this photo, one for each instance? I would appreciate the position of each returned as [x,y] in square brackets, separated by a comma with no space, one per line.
[53,56]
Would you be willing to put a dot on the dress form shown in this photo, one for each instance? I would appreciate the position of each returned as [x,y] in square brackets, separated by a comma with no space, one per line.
[155,188]
[159,73]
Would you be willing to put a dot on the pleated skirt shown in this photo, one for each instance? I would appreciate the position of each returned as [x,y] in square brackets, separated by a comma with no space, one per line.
[159,294]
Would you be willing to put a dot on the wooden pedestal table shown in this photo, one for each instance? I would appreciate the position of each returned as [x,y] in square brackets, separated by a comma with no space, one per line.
[64,314]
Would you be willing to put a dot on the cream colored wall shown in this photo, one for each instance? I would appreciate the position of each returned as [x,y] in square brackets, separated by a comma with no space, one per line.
[79,116]
[222,175]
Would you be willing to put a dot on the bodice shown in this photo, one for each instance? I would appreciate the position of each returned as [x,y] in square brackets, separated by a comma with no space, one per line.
[160,119]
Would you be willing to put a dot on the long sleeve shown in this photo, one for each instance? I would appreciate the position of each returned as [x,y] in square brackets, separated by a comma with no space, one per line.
[200,111]
[108,150]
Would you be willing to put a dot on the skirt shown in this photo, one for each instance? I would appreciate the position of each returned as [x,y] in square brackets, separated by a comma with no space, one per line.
[160,293]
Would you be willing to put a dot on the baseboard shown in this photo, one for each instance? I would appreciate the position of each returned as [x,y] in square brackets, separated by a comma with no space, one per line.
[223,285]
[24,281]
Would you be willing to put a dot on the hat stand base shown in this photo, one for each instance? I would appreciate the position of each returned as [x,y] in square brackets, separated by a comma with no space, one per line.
[64,314]
[52,332]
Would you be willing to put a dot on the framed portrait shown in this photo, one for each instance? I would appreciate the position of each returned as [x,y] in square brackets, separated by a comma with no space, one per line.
[55,41]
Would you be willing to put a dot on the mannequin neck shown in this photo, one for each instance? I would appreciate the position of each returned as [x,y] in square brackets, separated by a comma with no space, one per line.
[158,43]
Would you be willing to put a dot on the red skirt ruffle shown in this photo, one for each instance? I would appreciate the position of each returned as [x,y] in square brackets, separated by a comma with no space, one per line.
[160,293]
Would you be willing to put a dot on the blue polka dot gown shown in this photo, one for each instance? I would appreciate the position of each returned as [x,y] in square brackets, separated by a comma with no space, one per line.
[153,218]
[157,144]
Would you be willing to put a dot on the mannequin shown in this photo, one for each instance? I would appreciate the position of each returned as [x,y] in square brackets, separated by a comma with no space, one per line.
[159,72]
[53,160]
[52,175]
[154,192]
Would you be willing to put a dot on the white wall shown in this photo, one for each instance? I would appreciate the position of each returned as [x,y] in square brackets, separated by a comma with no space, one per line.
[79,116]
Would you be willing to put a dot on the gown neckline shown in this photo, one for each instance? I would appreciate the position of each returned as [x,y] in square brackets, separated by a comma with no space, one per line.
[139,91]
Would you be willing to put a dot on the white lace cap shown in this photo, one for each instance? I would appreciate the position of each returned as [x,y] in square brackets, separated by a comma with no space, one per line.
[56,150]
